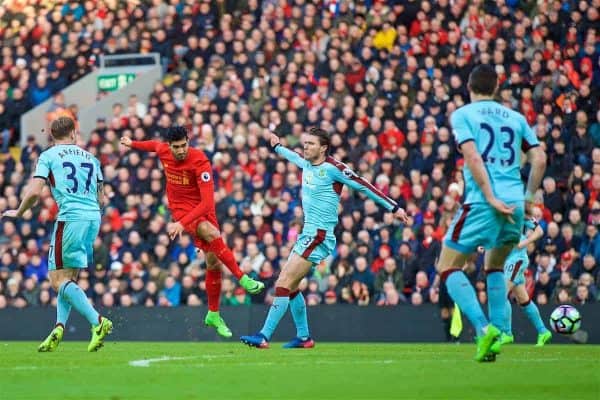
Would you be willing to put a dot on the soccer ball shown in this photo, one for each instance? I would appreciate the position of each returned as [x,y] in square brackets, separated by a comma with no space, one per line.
[565,319]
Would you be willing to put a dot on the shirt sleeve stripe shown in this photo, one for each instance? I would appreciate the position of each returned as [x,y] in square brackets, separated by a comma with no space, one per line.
[526,146]
[341,166]
[465,141]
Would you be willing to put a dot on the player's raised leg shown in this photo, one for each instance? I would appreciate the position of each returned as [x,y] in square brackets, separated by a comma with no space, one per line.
[294,270]
[213,292]
[215,244]
[463,294]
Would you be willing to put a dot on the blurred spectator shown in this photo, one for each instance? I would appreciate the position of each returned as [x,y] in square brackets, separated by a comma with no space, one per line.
[389,273]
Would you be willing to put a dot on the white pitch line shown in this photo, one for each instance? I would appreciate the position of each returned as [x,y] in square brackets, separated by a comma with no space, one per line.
[146,362]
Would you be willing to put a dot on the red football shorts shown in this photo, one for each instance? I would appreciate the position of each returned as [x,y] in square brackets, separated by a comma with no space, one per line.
[192,229]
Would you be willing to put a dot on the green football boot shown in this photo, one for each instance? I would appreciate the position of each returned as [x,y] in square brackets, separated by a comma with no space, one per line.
[251,286]
[485,342]
[501,341]
[543,338]
[99,332]
[213,318]
[52,341]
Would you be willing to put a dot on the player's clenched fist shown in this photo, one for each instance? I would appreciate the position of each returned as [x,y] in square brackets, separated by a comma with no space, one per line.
[126,141]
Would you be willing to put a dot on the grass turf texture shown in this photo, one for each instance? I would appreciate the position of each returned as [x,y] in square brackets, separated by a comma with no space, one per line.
[329,371]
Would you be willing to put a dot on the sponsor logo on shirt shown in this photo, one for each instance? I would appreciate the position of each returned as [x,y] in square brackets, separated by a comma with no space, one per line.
[178,179]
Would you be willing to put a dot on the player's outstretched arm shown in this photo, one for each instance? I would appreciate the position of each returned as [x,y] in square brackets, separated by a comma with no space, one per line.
[475,163]
[146,145]
[33,194]
[283,151]
[343,174]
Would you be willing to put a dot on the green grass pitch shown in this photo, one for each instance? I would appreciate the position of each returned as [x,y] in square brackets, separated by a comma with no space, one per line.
[140,370]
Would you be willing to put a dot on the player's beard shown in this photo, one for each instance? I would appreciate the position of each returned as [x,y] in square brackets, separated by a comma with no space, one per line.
[180,157]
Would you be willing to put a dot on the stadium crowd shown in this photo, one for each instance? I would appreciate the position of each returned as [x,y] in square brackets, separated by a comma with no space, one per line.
[382,77]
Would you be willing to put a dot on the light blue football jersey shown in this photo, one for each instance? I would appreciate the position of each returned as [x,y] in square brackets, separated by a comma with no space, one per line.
[500,134]
[321,188]
[521,254]
[74,176]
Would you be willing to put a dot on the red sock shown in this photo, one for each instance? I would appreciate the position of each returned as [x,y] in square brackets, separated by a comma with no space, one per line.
[213,288]
[225,255]
[282,292]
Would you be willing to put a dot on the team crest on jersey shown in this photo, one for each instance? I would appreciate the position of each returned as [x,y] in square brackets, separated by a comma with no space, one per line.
[205,177]
[348,173]
[321,173]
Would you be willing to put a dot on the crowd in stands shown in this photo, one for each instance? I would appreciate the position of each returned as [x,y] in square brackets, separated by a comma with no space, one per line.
[381,76]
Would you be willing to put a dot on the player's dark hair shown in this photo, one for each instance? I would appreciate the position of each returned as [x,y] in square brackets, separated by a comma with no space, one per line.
[483,80]
[175,133]
[62,127]
[324,139]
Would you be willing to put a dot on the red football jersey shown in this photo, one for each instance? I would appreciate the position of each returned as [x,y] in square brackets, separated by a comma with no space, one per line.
[190,186]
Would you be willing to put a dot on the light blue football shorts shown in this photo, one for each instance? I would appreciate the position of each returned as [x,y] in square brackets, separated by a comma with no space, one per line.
[315,246]
[479,224]
[72,244]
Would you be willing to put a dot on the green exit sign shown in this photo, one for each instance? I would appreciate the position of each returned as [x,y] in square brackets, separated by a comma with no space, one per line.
[109,83]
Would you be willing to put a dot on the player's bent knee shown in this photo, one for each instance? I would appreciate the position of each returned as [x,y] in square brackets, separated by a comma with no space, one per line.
[57,282]
[214,266]
[207,231]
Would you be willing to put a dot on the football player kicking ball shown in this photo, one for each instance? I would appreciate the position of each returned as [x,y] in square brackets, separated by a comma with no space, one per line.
[514,273]
[190,191]
[322,180]
[75,180]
